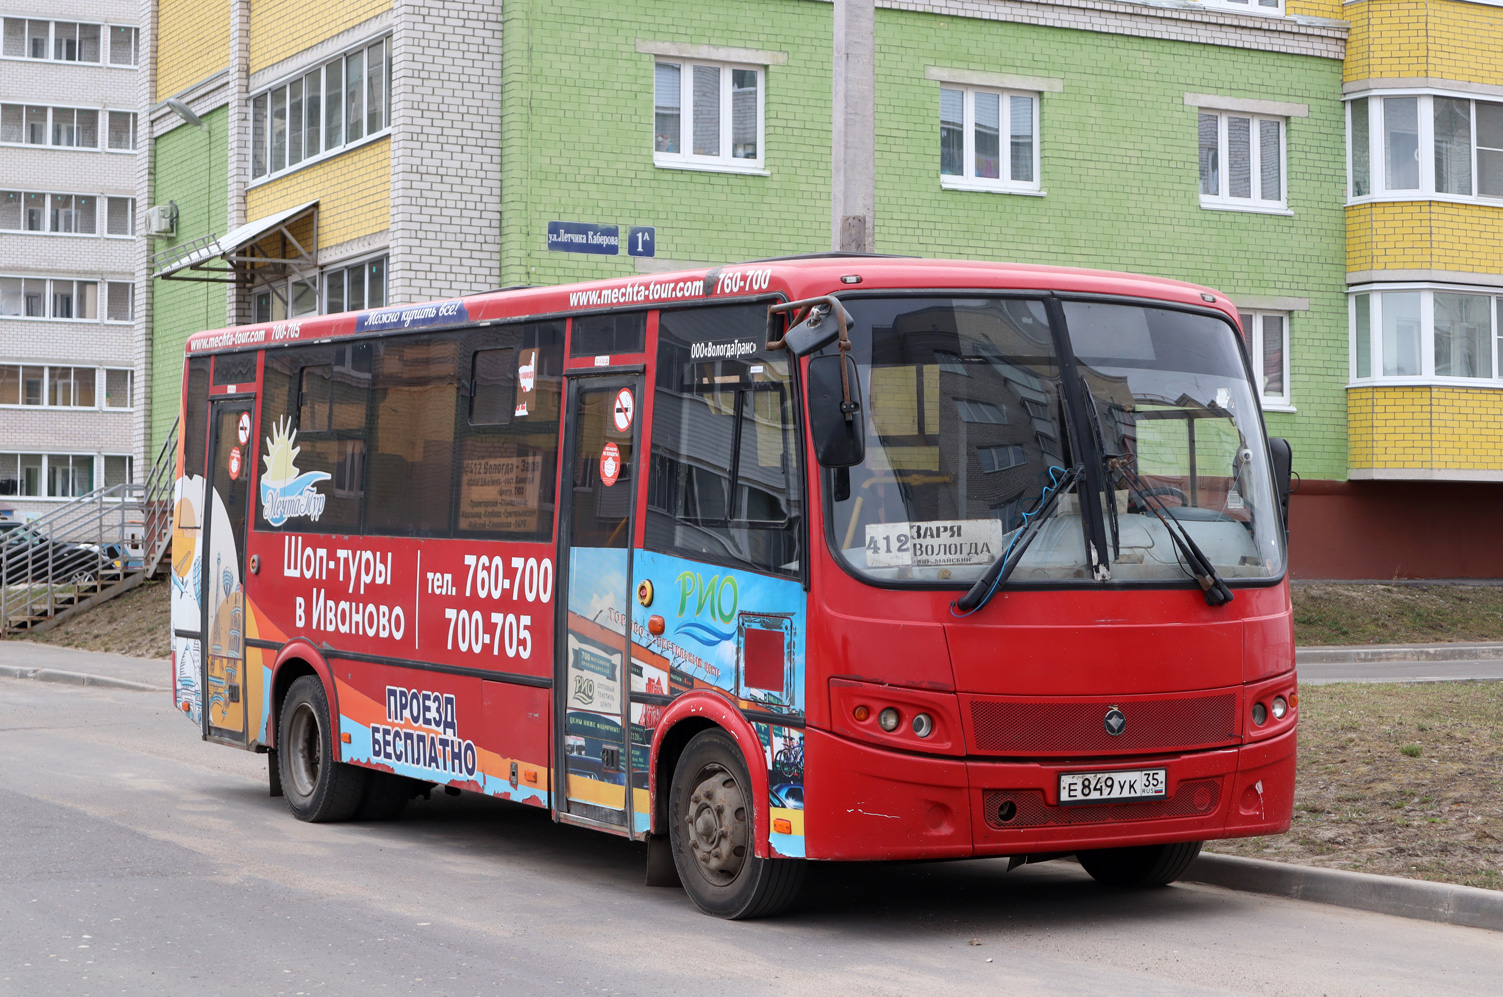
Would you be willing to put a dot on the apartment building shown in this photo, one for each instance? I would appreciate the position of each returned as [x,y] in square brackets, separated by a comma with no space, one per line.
[69,146]
[325,156]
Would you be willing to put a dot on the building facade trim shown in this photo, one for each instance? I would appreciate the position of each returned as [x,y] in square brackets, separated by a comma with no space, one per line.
[713,53]
[1420,84]
[1001,81]
[1270,303]
[1273,108]
[1385,278]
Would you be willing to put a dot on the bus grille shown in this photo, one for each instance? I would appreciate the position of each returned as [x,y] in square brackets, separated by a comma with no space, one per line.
[1016,808]
[1078,728]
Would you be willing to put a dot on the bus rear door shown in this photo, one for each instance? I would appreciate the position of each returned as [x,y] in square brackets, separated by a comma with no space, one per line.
[592,671]
[231,452]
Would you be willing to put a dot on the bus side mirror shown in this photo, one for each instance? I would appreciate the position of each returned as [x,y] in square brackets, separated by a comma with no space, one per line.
[839,436]
[1283,473]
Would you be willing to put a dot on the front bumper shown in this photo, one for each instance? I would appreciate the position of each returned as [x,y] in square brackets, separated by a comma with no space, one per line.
[868,803]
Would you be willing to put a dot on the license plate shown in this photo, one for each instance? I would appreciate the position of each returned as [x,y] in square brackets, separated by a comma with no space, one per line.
[1111,787]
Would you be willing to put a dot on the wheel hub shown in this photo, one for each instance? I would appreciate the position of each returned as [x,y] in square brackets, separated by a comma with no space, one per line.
[717,822]
[304,749]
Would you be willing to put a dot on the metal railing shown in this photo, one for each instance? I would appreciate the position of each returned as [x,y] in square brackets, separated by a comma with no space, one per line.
[87,550]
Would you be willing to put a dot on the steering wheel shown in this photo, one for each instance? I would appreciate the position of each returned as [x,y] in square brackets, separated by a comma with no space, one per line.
[1137,506]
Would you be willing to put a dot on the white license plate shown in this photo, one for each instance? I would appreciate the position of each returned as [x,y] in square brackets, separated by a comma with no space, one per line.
[1110,787]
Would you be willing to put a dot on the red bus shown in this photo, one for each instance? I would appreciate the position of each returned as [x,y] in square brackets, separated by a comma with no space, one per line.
[828,558]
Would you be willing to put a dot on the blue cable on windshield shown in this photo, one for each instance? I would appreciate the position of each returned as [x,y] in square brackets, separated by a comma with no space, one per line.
[1055,472]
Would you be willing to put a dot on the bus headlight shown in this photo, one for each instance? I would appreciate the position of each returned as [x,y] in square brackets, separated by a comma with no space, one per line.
[1259,714]
[888,719]
[1279,707]
[923,725]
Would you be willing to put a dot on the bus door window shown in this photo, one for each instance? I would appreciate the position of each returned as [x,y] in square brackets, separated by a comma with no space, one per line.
[229,473]
[597,531]
[611,334]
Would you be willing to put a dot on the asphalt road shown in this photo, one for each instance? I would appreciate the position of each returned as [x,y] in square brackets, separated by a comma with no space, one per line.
[1325,672]
[135,859]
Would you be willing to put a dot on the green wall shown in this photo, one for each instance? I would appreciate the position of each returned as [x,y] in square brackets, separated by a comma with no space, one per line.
[1119,163]
[1120,170]
[191,168]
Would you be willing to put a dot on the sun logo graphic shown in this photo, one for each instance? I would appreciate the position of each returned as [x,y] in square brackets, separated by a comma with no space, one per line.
[286,494]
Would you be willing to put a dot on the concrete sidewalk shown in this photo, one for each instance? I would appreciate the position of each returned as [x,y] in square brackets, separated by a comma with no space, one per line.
[1400,663]
[50,663]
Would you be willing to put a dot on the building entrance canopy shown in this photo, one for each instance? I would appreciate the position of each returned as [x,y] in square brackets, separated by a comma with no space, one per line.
[281,245]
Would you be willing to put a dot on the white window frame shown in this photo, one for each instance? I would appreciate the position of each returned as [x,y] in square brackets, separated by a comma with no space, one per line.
[1275,9]
[101,130]
[325,150]
[725,162]
[100,384]
[109,45]
[1427,375]
[1255,333]
[1223,200]
[52,23]
[348,265]
[1377,162]
[967,179]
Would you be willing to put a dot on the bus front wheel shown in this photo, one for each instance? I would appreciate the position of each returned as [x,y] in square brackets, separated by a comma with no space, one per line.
[317,788]
[710,810]
[1141,865]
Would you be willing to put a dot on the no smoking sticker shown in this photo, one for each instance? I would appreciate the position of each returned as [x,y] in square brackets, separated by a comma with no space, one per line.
[610,464]
[234,463]
[242,430]
[622,412]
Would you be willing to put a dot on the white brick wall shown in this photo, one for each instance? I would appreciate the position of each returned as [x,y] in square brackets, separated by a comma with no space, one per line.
[101,174]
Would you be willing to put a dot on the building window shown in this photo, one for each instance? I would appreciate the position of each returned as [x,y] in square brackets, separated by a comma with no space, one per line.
[971,410]
[1419,333]
[123,45]
[355,287]
[1268,344]
[120,216]
[1001,458]
[120,301]
[52,386]
[1249,6]
[58,41]
[65,127]
[988,139]
[1424,145]
[707,114]
[41,298]
[1241,161]
[59,214]
[340,103]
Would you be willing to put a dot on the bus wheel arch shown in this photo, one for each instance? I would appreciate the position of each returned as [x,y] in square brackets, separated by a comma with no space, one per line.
[682,720]
[293,662]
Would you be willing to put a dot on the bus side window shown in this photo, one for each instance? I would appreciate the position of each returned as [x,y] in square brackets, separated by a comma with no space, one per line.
[723,481]
[508,448]
[196,417]
[415,403]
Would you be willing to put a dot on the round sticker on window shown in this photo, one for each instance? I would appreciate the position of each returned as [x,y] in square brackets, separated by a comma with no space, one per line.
[234,463]
[243,429]
[622,411]
[610,464]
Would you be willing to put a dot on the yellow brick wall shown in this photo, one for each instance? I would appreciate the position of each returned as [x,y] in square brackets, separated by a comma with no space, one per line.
[1315,8]
[1440,38]
[193,41]
[1425,428]
[353,191]
[1425,235]
[283,28]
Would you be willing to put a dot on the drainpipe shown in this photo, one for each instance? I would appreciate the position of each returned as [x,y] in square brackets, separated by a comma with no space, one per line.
[853,192]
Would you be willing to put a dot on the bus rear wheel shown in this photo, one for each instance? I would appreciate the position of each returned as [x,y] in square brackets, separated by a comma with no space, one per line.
[317,788]
[711,830]
[1141,865]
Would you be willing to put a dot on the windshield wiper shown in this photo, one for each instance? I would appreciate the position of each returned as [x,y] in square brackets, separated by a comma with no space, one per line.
[1200,567]
[986,586]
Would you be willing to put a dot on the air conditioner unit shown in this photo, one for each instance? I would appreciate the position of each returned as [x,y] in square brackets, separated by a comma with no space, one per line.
[161,219]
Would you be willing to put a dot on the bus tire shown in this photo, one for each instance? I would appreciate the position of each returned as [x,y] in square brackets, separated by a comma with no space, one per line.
[1141,865]
[317,788]
[711,829]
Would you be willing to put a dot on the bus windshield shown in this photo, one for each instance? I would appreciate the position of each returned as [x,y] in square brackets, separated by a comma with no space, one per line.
[967,431]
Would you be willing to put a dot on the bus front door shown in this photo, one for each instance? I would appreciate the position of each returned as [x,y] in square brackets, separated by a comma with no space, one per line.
[231,451]
[592,675]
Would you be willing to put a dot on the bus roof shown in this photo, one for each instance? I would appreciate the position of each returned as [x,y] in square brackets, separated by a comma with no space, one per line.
[795,277]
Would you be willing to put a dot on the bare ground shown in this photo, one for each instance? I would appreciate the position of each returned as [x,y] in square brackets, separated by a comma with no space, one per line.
[1402,780]
[137,623]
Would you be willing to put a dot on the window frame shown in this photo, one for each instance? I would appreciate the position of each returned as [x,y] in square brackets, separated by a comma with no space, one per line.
[967,179]
[1249,7]
[101,128]
[102,285]
[44,476]
[260,113]
[1377,174]
[52,39]
[101,204]
[101,381]
[725,162]
[1223,200]
[1427,376]
[1255,334]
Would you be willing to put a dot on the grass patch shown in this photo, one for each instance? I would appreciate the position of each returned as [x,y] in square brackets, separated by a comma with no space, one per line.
[1402,780]
[138,623]
[1396,614]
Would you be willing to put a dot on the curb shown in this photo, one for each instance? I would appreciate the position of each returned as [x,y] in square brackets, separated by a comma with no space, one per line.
[1398,652]
[1412,898]
[76,678]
